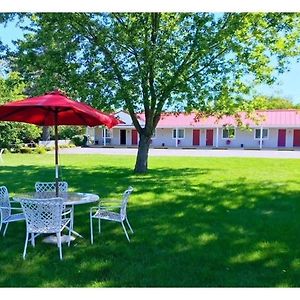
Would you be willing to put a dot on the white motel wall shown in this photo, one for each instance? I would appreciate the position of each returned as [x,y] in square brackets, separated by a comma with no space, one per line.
[164,138]
[197,136]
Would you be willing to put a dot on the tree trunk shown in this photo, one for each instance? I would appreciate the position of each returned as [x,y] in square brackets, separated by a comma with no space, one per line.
[46,133]
[141,165]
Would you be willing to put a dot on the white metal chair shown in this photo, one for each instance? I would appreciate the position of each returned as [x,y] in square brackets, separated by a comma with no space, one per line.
[41,187]
[6,215]
[45,216]
[44,187]
[111,210]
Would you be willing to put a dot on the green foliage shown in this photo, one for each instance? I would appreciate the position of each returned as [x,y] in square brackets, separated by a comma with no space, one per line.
[67,132]
[11,88]
[196,60]
[13,134]
[26,150]
[39,150]
[263,102]
[78,140]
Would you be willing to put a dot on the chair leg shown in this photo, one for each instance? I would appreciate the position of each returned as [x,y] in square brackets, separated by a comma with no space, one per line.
[4,232]
[69,237]
[25,247]
[72,217]
[129,225]
[32,240]
[59,245]
[125,231]
[91,227]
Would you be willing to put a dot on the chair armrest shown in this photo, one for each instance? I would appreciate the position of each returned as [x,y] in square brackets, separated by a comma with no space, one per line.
[111,207]
[96,208]
[13,208]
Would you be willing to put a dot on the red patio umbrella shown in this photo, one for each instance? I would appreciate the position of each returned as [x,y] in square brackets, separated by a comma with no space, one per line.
[53,109]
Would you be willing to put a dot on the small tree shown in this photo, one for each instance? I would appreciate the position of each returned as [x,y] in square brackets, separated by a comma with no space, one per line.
[11,133]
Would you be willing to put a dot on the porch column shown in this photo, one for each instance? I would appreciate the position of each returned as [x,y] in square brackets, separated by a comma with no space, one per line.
[176,142]
[217,137]
[260,137]
[104,137]
[93,134]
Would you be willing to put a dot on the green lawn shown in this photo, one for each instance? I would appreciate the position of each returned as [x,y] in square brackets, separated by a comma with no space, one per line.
[198,222]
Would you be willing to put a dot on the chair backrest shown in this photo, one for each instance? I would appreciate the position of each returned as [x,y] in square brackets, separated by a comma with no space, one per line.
[125,199]
[43,215]
[4,202]
[44,187]
[1,151]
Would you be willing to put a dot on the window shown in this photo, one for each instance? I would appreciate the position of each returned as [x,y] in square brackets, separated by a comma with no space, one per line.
[228,133]
[106,133]
[180,133]
[265,134]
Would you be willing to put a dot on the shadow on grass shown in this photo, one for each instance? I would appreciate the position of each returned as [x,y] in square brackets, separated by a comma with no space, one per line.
[190,230]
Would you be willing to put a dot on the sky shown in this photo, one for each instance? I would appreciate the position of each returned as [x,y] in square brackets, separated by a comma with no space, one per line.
[288,85]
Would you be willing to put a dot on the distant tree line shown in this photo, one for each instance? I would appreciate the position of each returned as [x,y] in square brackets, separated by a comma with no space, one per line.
[264,102]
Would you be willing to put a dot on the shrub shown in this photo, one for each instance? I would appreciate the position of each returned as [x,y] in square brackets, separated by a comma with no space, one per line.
[49,148]
[67,132]
[40,150]
[78,140]
[15,148]
[26,150]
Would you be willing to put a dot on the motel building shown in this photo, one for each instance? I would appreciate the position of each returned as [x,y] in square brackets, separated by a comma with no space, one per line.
[272,129]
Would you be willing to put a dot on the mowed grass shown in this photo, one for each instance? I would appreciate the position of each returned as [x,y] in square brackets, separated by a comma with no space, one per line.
[198,222]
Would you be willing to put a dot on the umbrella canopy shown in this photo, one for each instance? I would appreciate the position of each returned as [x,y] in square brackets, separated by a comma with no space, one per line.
[53,109]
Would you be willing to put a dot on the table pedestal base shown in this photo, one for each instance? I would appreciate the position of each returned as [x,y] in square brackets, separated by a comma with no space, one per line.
[52,239]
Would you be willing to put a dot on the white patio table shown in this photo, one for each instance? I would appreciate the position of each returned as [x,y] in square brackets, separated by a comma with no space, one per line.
[70,199]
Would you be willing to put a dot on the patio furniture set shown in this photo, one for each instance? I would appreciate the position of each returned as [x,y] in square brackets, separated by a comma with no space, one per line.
[48,213]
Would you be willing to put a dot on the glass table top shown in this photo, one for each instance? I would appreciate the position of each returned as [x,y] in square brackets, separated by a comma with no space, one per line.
[70,198]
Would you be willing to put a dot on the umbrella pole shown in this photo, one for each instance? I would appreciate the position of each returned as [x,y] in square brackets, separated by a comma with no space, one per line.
[56,155]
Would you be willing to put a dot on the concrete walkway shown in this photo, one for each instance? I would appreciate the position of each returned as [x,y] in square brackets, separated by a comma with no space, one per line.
[186,152]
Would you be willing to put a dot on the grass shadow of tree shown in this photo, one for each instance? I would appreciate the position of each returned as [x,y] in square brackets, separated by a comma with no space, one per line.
[187,233]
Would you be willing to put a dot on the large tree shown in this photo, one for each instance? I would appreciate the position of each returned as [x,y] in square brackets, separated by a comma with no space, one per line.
[153,62]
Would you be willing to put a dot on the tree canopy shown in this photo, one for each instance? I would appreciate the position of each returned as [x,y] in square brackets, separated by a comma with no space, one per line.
[153,62]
